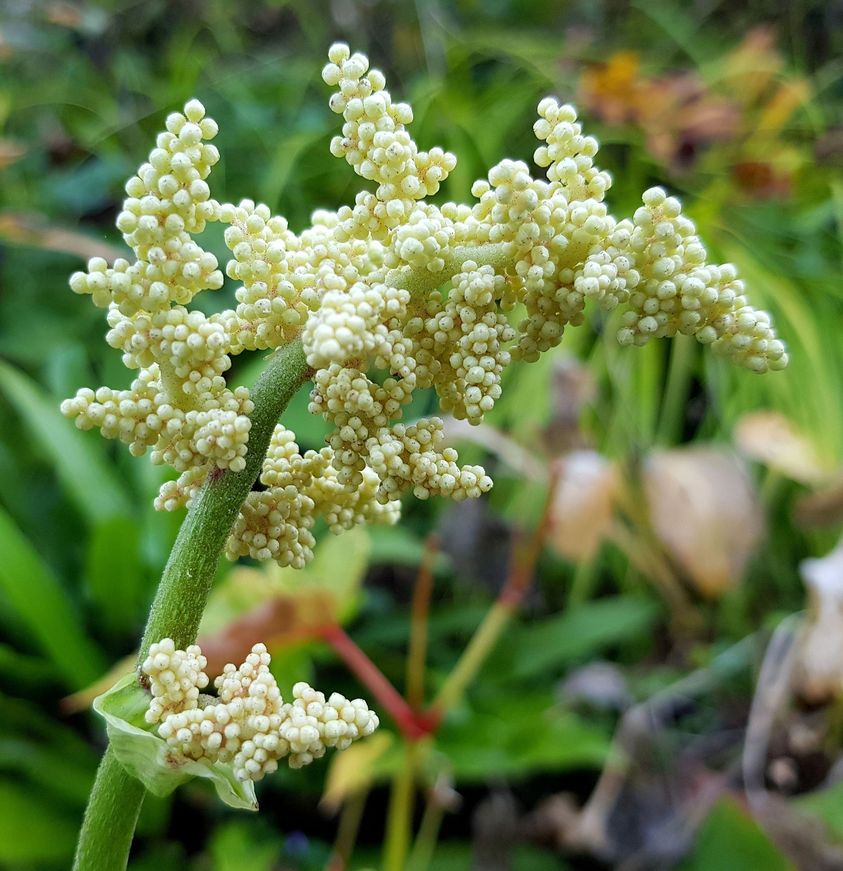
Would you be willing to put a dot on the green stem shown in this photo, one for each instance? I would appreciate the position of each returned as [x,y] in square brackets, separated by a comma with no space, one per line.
[497,618]
[172,385]
[475,654]
[400,815]
[679,375]
[582,585]
[420,282]
[110,818]
[421,855]
[183,591]
[106,835]
[347,829]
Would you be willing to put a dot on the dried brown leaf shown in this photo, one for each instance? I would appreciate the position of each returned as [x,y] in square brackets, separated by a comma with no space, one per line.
[572,387]
[772,439]
[283,606]
[824,507]
[10,151]
[279,622]
[705,512]
[34,232]
[583,504]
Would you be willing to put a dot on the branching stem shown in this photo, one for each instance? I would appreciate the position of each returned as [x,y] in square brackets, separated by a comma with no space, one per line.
[106,835]
[172,385]
[421,282]
[109,824]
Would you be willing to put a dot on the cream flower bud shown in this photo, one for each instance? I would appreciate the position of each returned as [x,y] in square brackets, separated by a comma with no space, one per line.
[249,724]
[388,294]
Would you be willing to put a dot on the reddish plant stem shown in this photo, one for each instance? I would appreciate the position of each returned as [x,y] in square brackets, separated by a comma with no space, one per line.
[415,724]
[419,614]
[527,553]
[409,724]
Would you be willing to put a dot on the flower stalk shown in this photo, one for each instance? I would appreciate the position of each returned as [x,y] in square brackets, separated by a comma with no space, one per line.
[396,284]
[116,798]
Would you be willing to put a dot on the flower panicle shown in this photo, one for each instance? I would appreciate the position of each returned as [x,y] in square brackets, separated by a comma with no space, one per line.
[390,295]
[248,723]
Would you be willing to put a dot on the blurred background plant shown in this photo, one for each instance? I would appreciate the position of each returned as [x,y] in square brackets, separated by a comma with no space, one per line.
[631,716]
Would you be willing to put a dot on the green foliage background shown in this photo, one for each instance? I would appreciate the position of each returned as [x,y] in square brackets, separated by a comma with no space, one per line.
[84,87]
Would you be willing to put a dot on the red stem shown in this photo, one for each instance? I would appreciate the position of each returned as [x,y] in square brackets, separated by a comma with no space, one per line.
[414,724]
[411,726]
[526,553]
[419,615]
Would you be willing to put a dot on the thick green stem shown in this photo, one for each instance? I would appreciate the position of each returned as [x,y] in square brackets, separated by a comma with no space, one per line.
[183,591]
[110,818]
[420,282]
[106,835]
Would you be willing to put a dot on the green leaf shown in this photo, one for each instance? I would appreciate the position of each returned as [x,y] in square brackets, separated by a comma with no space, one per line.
[456,856]
[282,168]
[115,581]
[310,429]
[38,763]
[827,804]
[398,545]
[446,623]
[327,588]
[23,669]
[45,609]
[293,663]
[339,566]
[520,736]
[730,840]
[160,855]
[234,846]
[31,830]
[34,745]
[146,756]
[579,633]
[78,459]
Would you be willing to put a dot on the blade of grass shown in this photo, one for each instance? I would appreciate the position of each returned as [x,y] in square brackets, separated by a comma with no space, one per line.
[79,461]
[45,609]
[114,574]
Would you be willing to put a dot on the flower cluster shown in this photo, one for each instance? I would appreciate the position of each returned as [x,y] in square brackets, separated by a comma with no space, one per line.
[275,523]
[375,142]
[247,723]
[679,292]
[179,404]
[389,296]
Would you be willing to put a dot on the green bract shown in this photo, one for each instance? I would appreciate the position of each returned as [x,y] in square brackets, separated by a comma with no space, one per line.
[146,756]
